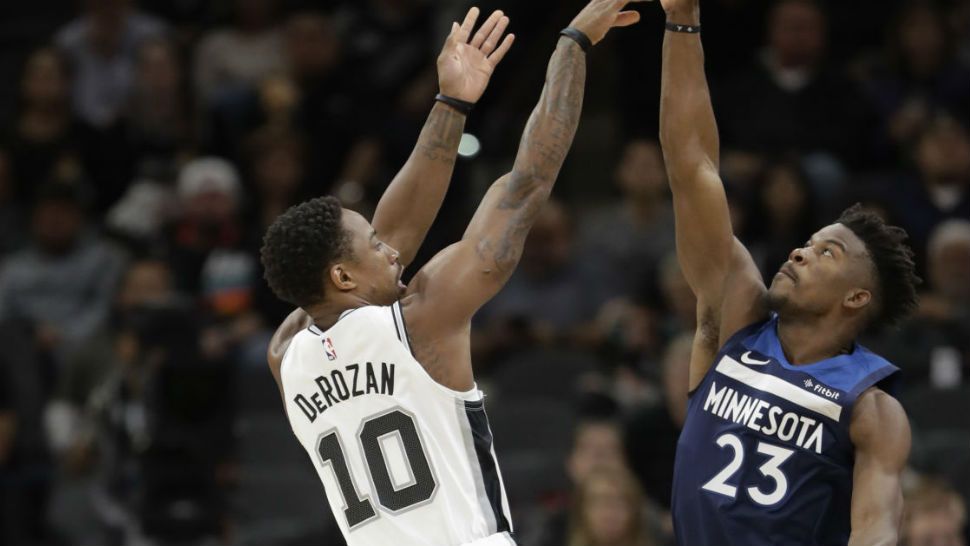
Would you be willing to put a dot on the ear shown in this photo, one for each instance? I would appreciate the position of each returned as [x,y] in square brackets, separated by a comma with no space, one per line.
[342,278]
[857,299]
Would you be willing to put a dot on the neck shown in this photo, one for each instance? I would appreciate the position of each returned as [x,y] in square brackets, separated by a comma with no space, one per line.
[327,313]
[810,340]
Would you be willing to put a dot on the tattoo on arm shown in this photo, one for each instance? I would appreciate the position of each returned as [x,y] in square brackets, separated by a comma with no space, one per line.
[440,135]
[542,150]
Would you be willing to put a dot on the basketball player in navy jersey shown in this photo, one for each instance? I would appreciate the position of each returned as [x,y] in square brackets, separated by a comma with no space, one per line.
[790,438]
[367,364]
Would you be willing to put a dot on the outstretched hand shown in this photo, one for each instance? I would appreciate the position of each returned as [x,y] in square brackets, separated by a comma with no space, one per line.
[465,66]
[599,16]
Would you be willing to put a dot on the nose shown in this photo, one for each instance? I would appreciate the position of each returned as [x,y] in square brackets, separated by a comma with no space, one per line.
[393,255]
[797,256]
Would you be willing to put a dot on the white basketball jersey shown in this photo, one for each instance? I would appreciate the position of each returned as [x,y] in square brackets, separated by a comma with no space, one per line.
[404,460]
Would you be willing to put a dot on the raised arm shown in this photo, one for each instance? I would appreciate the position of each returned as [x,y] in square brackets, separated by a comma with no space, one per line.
[464,276]
[881,436]
[411,202]
[711,258]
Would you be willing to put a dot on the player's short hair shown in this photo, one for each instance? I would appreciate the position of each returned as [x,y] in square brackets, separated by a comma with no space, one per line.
[892,261]
[299,247]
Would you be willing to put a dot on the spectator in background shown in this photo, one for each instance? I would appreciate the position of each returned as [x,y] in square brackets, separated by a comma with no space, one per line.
[102,46]
[781,216]
[162,422]
[628,238]
[147,284]
[148,205]
[63,283]
[241,55]
[934,515]
[552,295]
[609,510]
[210,197]
[315,96]
[804,105]
[940,186]
[276,170]
[652,431]
[43,142]
[948,267]
[933,347]
[597,443]
[209,256]
[918,77]
[159,126]
[388,44]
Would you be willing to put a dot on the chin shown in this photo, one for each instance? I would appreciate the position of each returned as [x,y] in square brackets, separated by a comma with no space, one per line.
[776,299]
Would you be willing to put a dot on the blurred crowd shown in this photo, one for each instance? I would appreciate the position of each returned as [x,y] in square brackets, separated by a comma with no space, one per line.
[147,145]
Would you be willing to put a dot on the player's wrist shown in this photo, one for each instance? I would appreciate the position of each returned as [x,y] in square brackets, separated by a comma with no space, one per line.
[578,36]
[461,106]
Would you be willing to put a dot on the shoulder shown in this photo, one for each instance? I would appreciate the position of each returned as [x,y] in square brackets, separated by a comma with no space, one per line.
[879,421]
[292,325]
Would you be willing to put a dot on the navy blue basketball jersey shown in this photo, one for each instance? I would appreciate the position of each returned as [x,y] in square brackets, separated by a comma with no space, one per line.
[765,456]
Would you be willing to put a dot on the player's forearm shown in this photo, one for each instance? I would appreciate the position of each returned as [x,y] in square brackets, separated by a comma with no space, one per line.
[412,200]
[552,125]
[542,150]
[688,131]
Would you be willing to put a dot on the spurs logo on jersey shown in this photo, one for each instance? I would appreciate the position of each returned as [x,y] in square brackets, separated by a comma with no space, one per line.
[403,460]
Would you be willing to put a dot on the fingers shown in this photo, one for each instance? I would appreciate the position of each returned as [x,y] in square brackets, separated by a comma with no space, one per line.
[495,36]
[467,25]
[485,30]
[626,18]
[498,54]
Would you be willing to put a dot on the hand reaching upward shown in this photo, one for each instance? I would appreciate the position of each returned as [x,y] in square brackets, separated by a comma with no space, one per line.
[465,66]
[599,16]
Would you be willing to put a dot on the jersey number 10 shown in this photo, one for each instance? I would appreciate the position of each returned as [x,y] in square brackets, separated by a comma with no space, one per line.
[357,508]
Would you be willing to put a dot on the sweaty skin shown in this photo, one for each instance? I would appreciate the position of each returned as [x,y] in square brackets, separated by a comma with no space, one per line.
[731,293]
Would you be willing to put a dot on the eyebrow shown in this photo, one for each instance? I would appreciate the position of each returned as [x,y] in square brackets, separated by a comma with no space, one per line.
[837,243]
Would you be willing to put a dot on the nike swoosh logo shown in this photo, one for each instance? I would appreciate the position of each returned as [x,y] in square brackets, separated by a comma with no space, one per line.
[746,358]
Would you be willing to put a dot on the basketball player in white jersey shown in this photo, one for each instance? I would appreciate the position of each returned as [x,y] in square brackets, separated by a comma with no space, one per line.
[376,377]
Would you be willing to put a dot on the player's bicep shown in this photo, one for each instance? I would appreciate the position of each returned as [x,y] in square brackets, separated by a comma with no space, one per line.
[881,435]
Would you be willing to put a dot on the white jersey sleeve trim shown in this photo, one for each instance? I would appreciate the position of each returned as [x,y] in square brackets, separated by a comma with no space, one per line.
[397,315]
[399,326]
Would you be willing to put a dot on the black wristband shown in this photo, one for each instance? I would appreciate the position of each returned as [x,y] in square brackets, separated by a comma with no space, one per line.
[577,36]
[686,29]
[462,106]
